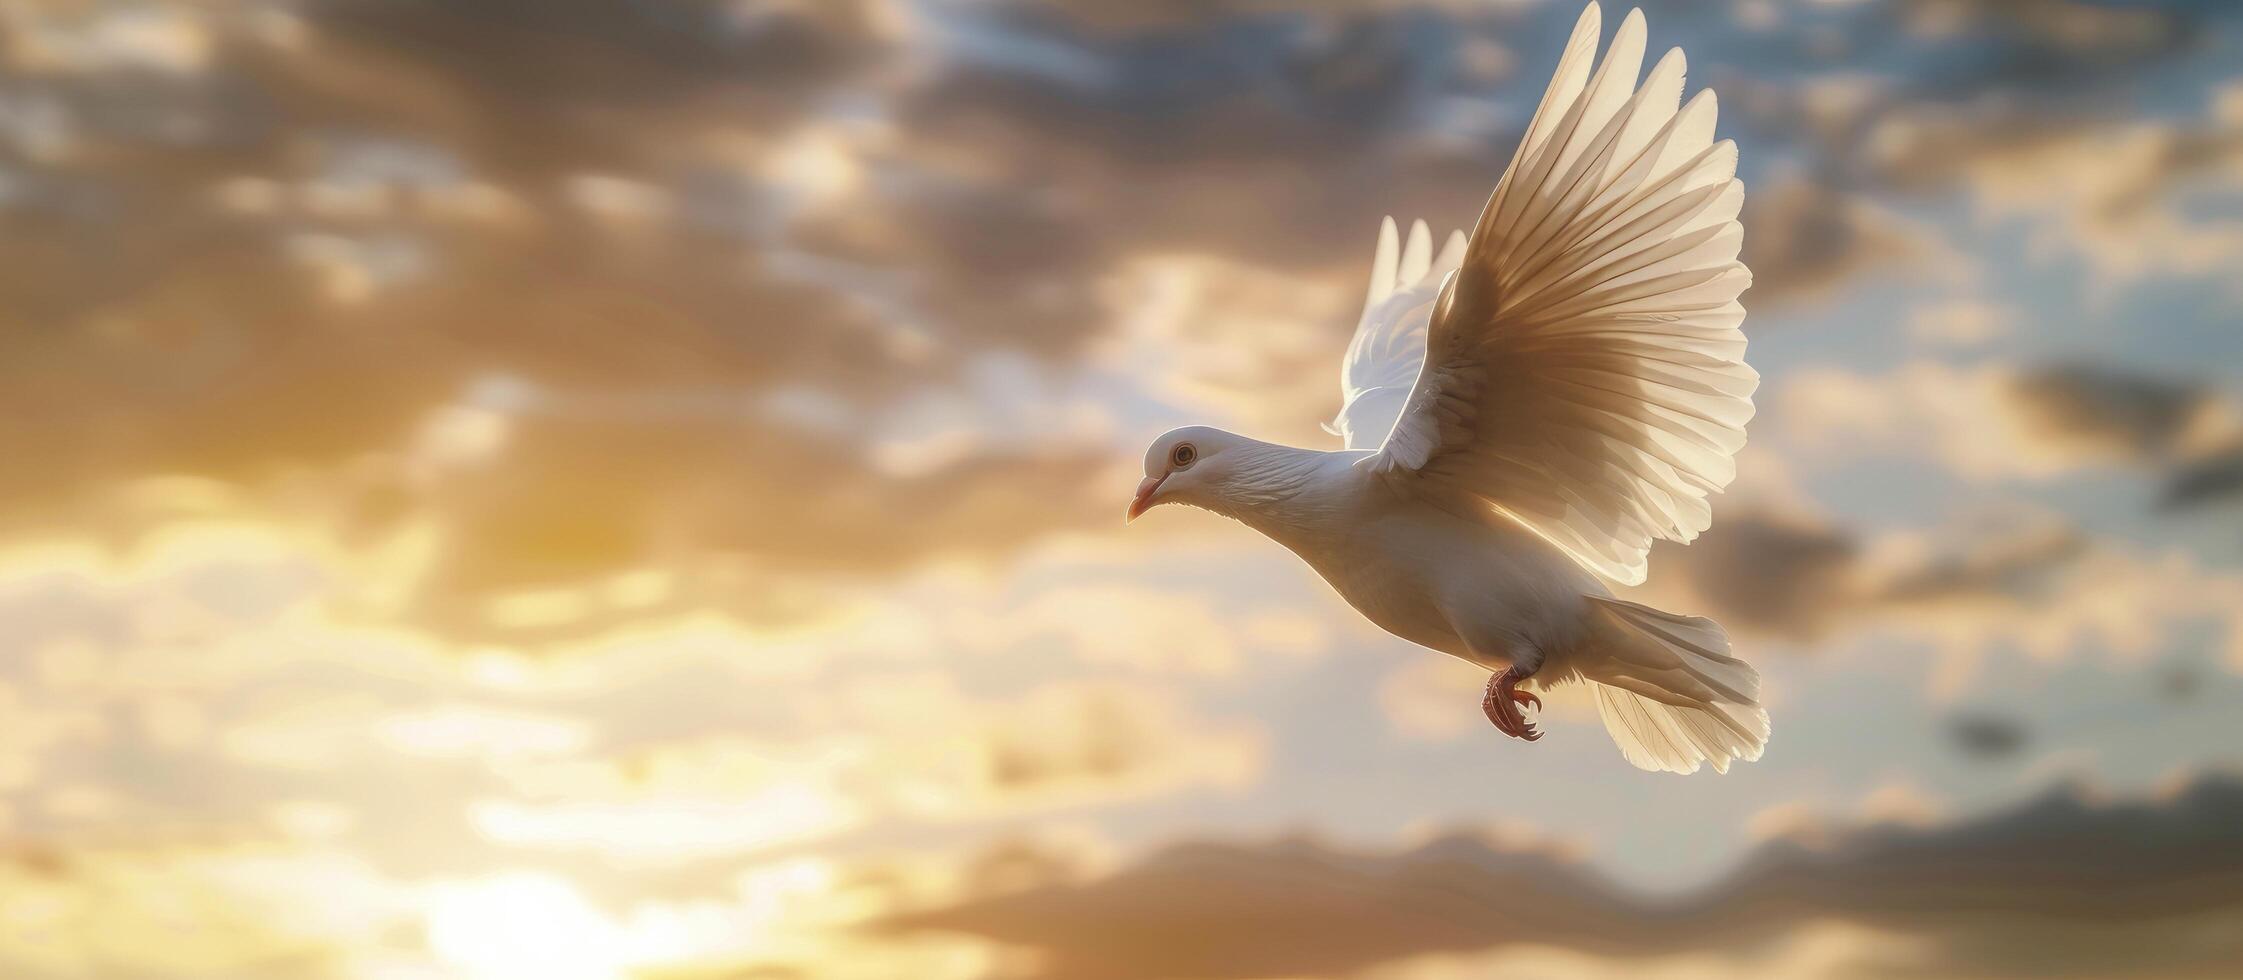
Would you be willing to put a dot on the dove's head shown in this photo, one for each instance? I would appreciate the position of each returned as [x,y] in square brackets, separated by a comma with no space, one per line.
[1187,466]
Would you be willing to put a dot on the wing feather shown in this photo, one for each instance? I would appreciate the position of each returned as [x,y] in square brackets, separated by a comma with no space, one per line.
[1389,344]
[1582,372]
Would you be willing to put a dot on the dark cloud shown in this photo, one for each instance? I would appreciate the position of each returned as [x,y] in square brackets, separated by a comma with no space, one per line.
[2112,412]
[1769,574]
[1273,140]
[1159,17]
[2024,44]
[2215,477]
[2157,422]
[548,84]
[2181,682]
[2036,105]
[1806,238]
[1848,75]
[2012,567]
[1987,736]
[1292,908]
[1798,579]
[337,232]
[1932,147]
[2059,886]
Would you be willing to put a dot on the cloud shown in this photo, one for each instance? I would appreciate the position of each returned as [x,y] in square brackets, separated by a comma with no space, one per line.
[1770,573]
[1995,423]
[2006,564]
[467,730]
[2014,580]
[262,909]
[897,747]
[2100,411]
[32,729]
[1808,238]
[553,74]
[2081,31]
[1269,143]
[1222,336]
[1174,16]
[1962,323]
[161,909]
[207,689]
[2116,888]
[578,497]
[1987,736]
[2215,477]
[107,39]
[2034,110]
[173,713]
[1288,908]
[2047,592]
[1145,628]
[576,198]
[2034,423]
[2110,187]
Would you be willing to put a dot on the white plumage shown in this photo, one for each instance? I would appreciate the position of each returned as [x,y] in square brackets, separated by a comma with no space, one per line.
[1528,410]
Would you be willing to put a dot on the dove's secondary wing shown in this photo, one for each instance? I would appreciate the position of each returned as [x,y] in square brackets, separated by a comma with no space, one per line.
[1389,345]
[1584,373]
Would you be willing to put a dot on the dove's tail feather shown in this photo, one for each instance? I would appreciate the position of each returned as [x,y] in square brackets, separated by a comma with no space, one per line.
[1670,692]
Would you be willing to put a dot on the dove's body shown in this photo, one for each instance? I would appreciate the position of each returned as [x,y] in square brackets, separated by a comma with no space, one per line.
[1488,593]
[1525,413]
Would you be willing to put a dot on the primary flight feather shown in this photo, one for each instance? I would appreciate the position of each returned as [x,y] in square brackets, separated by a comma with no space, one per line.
[1528,410]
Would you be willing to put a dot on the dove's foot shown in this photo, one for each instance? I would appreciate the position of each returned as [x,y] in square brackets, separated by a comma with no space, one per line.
[1502,705]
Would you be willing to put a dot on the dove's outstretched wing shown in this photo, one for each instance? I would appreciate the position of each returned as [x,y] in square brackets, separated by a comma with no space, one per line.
[1583,369]
[1382,360]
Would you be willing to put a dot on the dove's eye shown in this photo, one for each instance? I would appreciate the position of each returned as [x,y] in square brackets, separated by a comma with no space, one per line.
[1182,455]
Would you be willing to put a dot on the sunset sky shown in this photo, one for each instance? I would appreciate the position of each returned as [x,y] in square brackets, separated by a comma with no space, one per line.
[633,488]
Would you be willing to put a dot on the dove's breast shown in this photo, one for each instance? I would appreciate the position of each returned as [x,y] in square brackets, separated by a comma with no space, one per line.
[1461,587]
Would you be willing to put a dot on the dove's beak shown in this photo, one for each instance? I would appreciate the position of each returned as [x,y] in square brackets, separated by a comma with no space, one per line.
[1144,499]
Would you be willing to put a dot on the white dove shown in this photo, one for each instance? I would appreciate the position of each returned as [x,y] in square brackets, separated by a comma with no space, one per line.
[1528,411]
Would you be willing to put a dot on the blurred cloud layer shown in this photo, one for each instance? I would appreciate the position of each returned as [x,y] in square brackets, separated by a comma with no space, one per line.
[589,488]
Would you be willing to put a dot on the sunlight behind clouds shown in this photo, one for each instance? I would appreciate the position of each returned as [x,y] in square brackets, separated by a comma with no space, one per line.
[563,488]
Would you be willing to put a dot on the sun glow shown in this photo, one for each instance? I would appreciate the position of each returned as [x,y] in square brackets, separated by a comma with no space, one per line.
[524,925]
[539,925]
